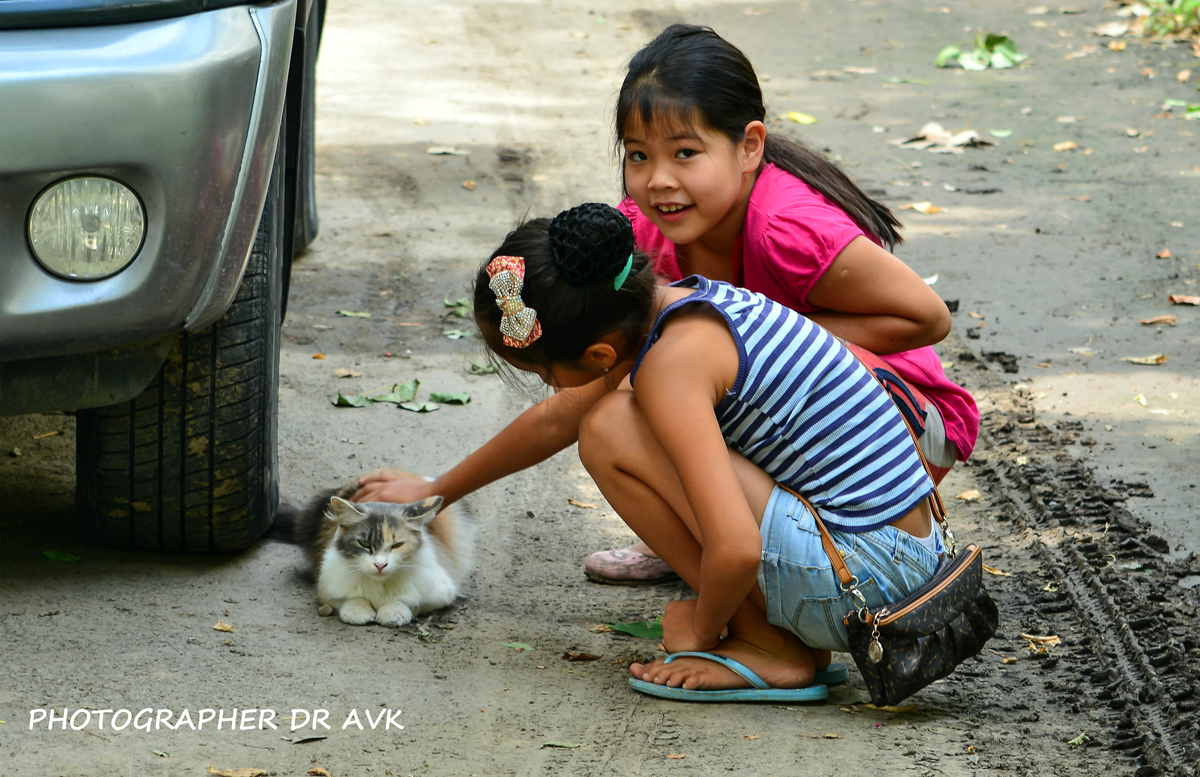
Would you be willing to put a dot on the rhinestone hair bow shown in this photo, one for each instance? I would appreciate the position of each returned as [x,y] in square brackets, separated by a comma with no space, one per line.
[518,324]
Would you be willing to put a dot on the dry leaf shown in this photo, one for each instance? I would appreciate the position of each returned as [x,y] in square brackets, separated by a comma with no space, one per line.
[1157,320]
[994,571]
[222,626]
[1116,45]
[927,208]
[1164,254]
[1184,299]
[317,771]
[973,314]
[676,756]
[862,71]
[969,496]
[1153,359]
[603,628]
[1004,658]
[1010,660]
[1183,76]
[835,736]
[750,736]
[584,505]
[468,185]
[1066,145]
[318,356]
[1034,639]
[1067,119]
[1148,72]
[342,372]
[569,656]
[1140,399]
[421,121]
[249,772]
[905,708]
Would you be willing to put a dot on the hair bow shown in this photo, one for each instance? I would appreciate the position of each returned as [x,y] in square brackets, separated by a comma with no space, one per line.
[518,324]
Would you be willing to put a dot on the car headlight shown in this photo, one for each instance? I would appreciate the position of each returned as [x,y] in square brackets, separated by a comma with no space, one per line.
[86,228]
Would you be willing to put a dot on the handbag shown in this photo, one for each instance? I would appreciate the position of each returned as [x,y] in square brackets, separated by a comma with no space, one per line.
[904,646]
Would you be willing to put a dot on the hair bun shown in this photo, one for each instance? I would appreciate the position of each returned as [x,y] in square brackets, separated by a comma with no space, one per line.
[591,243]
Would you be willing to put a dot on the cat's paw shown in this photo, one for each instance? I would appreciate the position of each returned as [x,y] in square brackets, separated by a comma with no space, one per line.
[356,612]
[394,614]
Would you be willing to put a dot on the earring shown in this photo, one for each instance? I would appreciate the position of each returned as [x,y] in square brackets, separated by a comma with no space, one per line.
[605,369]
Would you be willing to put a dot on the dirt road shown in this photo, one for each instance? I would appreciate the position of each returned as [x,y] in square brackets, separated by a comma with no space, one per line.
[1088,507]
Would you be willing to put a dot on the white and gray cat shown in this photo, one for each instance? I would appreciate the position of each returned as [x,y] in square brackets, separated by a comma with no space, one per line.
[378,561]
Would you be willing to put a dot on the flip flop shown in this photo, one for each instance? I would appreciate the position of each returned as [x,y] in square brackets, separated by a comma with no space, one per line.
[760,692]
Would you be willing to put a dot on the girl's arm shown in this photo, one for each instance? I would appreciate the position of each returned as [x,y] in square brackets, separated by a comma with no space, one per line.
[876,301]
[680,381]
[537,434]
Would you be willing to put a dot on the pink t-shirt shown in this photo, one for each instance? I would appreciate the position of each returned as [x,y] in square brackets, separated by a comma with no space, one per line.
[791,235]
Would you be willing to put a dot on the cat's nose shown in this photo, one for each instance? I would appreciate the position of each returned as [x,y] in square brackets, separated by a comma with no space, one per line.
[380,566]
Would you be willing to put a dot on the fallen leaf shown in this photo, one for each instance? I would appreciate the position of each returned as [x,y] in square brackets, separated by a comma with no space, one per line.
[1140,399]
[750,736]
[602,628]
[975,315]
[351,400]
[1184,299]
[317,771]
[420,407]
[569,656]
[468,185]
[342,372]
[927,208]
[1082,52]
[1083,350]
[517,646]
[1006,659]
[480,369]
[313,738]
[1010,660]
[354,313]
[318,356]
[997,572]
[1067,119]
[1079,197]
[969,496]
[1034,639]
[460,307]
[1116,45]
[1148,72]
[421,121]
[445,151]
[800,118]
[1157,320]
[1079,740]
[1183,76]
[161,754]
[676,756]
[640,629]
[834,736]
[938,140]
[222,626]
[862,71]
[1177,224]
[250,772]
[889,708]
[1164,254]
[1152,360]
[399,393]
[1000,133]
[456,334]
[1066,145]
[409,323]
[54,555]
[460,398]
[584,505]
[1111,29]
[563,744]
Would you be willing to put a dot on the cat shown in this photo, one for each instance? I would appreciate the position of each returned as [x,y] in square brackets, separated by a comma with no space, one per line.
[381,562]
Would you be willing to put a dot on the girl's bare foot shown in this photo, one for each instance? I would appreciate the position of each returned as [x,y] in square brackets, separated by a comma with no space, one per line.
[788,667]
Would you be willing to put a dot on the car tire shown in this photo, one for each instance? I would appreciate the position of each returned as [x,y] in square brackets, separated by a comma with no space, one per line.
[190,465]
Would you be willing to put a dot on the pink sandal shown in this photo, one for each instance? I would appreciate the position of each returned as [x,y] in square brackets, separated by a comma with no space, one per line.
[626,567]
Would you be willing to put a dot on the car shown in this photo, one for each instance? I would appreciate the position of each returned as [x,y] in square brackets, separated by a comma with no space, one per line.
[156,183]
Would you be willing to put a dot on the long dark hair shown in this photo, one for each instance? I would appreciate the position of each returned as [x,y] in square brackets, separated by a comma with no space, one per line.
[571,265]
[690,73]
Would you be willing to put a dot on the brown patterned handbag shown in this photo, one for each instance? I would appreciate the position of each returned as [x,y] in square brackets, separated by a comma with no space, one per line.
[904,646]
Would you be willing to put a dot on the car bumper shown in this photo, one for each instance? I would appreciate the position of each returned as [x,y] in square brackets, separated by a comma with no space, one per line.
[184,111]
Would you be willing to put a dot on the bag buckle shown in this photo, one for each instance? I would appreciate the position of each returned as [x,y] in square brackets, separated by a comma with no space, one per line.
[852,589]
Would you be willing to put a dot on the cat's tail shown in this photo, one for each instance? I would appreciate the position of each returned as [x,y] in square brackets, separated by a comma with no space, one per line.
[298,524]
[286,527]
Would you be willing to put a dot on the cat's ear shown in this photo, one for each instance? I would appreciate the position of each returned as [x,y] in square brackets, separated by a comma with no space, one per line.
[342,512]
[424,511]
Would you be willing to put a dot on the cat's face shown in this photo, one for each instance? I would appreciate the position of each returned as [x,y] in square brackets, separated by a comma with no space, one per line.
[378,539]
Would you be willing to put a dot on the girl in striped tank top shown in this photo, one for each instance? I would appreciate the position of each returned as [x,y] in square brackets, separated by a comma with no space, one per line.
[720,395]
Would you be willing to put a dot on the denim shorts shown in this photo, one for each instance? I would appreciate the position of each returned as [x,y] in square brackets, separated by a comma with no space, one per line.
[803,592]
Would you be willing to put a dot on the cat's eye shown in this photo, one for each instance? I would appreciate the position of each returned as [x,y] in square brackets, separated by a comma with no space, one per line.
[398,545]
[365,544]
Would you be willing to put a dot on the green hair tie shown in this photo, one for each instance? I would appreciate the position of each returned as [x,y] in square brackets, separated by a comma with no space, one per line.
[620,279]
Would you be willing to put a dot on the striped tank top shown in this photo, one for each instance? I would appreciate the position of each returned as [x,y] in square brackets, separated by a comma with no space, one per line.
[807,412]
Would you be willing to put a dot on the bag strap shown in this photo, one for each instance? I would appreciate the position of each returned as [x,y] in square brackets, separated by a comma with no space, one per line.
[835,555]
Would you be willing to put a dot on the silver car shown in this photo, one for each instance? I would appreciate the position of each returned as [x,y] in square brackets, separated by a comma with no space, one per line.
[156,180]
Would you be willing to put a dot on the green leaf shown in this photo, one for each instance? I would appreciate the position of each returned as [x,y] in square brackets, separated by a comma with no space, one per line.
[800,118]
[54,555]
[640,629]
[161,754]
[456,334]
[517,646]
[420,407]
[564,744]
[947,54]
[1000,133]
[1173,103]
[354,313]
[351,400]
[1079,740]
[480,369]
[400,393]
[461,398]
[460,307]
[972,61]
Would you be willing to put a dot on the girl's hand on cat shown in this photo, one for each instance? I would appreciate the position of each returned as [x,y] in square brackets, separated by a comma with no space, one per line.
[678,632]
[392,486]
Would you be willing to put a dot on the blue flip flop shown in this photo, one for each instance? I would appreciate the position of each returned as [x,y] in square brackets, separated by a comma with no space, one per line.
[760,692]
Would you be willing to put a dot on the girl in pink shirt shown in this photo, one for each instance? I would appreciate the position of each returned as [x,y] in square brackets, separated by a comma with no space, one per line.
[711,193]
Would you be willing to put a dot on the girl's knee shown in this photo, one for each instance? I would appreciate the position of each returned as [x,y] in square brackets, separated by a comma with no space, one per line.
[602,430]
